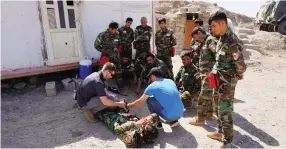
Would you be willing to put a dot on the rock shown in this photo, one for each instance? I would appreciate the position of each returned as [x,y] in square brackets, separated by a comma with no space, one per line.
[242,36]
[51,88]
[20,86]
[33,81]
[246,31]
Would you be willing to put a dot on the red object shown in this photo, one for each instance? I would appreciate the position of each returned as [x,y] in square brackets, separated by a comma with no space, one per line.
[214,80]
[120,48]
[134,45]
[103,60]
[173,52]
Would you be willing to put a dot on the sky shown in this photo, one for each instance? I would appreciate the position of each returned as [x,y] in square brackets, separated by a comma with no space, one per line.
[249,8]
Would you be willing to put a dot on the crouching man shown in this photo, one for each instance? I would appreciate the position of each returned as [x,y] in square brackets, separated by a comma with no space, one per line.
[93,87]
[131,130]
[189,79]
[162,97]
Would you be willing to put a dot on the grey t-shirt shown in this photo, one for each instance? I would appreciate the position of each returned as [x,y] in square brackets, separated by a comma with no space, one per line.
[91,86]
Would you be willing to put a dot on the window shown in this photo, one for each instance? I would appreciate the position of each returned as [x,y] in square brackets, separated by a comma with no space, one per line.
[49,2]
[70,3]
[71,18]
[52,18]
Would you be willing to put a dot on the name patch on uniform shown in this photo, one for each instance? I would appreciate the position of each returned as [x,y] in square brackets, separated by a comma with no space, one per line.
[235,56]
[168,34]
[115,39]
[124,32]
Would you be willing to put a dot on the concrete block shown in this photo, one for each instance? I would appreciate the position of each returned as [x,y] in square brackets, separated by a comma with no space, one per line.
[69,84]
[51,88]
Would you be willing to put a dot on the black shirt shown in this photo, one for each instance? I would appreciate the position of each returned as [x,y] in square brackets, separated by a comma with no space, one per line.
[91,86]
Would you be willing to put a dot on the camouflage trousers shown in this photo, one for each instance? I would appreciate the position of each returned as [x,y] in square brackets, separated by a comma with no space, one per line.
[109,116]
[127,50]
[168,61]
[223,107]
[205,103]
[188,98]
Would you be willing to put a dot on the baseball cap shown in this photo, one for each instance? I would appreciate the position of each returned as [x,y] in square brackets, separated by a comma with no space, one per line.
[156,71]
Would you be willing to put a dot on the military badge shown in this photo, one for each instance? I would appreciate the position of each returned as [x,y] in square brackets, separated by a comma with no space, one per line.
[235,56]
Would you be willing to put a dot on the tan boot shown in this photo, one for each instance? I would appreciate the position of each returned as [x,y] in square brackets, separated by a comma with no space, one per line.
[215,135]
[195,121]
[89,116]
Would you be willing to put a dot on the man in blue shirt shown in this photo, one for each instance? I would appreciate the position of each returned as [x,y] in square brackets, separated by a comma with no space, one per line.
[162,98]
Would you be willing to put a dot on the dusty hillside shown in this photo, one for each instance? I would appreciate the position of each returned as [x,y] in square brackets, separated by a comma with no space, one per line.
[171,6]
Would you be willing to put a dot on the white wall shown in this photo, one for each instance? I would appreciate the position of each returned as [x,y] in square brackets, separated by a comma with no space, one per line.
[21,35]
[96,16]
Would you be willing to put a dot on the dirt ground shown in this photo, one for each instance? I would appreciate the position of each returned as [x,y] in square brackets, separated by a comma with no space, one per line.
[34,120]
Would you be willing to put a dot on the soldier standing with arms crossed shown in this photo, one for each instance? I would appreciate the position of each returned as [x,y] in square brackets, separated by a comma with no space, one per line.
[227,70]
[165,41]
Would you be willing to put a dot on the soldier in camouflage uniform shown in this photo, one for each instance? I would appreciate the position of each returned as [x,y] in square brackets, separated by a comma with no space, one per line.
[188,78]
[200,36]
[126,35]
[107,43]
[143,35]
[153,62]
[128,68]
[198,23]
[140,65]
[229,67]
[131,130]
[207,60]
[165,41]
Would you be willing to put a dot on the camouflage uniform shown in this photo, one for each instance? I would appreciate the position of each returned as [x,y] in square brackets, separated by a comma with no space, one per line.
[157,63]
[145,32]
[122,123]
[140,65]
[196,49]
[165,40]
[126,75]
[188,75]
[126,35]
[229,64]
[107,43]
[207,61]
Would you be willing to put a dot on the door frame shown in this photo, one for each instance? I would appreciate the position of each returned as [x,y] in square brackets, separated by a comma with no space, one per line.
[47,34]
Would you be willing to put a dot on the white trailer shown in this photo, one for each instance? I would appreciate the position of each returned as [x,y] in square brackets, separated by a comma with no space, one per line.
[47,36]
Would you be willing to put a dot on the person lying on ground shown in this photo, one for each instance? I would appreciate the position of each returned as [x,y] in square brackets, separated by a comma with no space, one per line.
[131,130]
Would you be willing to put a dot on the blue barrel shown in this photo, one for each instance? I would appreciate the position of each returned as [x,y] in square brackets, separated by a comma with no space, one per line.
[85,68]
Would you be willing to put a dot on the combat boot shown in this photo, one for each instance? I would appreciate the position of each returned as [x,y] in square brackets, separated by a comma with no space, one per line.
[195,121]
[215,135]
